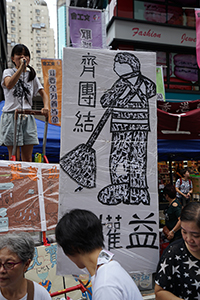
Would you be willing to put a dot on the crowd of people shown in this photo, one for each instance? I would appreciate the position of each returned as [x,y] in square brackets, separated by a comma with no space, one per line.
[79,233]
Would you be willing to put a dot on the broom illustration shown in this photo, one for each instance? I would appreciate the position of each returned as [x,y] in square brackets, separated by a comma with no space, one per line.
[80,163]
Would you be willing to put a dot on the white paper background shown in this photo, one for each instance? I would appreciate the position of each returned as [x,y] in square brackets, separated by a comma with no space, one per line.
[137,259]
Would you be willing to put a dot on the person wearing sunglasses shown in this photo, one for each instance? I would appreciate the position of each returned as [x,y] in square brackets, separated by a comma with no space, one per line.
[16,253]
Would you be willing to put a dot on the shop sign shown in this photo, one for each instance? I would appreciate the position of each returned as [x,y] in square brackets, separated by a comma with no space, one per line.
[132,31]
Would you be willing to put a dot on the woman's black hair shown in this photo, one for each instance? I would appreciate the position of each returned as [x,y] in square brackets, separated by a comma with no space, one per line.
[170,190]
[191,213]
[22,49]
[183,171]
[79,231]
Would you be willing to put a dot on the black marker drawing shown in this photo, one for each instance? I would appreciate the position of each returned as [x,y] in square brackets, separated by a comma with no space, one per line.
[127,103]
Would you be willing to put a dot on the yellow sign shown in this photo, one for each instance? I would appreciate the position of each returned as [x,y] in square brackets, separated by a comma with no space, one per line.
[52,73]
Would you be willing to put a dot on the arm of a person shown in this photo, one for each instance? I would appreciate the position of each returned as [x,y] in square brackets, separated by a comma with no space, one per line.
[108,99]
[174,230]
[10,81]
[190,192]
[45,99]
[162,294]
[177,189]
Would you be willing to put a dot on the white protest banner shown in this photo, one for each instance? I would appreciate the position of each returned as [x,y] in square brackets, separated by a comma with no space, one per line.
[109,151]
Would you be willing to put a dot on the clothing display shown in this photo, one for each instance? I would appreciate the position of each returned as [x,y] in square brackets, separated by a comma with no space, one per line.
[178,271]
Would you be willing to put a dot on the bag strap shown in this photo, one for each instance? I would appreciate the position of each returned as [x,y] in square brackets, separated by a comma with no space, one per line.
[30,289]
[189,182]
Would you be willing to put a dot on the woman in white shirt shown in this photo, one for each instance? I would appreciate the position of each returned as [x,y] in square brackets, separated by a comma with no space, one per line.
[20,84]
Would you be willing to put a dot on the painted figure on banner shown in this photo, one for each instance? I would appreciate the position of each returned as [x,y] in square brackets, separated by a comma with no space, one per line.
[126,102]
[129,126]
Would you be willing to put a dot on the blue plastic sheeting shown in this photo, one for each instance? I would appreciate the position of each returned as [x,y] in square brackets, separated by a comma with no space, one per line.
[53,141]
[178,150]
[52,145]
[167,149]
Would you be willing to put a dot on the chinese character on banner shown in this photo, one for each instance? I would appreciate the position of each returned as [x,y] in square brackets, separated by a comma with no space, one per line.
[52,73]
[87,28]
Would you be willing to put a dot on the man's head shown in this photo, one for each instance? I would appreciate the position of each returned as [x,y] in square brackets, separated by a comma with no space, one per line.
[79,231]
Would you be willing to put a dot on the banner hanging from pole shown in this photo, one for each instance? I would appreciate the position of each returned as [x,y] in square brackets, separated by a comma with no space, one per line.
[52,73]
[87,28]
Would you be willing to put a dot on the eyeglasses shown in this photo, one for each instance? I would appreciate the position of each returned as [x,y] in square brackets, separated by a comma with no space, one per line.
[9,265]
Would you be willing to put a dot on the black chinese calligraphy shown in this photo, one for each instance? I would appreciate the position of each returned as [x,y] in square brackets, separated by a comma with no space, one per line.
[89,63]
[53,96]
[85,125]
[127,104]
[113,226]
[87,94]
[141,239]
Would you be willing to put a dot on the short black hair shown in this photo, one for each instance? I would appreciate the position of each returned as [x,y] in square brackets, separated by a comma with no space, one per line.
[191,213]
[79,231]
[183,171]
[170,190]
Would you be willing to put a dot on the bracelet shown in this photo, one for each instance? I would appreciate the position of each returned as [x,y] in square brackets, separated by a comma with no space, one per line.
[173,231]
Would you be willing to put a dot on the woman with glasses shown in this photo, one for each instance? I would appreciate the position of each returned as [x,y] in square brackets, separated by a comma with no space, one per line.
[16,254]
